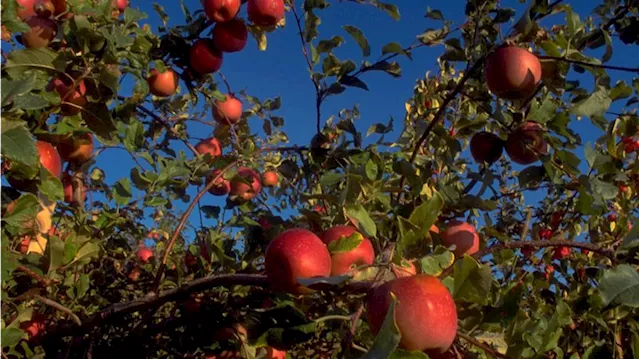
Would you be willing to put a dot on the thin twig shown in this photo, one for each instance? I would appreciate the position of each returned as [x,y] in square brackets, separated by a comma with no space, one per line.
[588,64]
[482,346]
[348,339]
[59,307]
[40,279]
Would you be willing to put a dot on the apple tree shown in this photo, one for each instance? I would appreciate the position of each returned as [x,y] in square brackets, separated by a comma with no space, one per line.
[481,225]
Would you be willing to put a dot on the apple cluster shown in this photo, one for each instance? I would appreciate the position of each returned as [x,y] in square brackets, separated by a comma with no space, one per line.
[425,311]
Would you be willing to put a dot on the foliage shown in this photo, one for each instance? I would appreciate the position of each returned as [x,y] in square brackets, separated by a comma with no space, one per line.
[516,297]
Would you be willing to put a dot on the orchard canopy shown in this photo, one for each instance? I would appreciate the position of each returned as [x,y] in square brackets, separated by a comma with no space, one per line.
[319,179]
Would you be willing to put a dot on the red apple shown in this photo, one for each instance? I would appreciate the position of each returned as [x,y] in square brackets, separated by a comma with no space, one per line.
[25,9]
[273,353]
[561,252]
[211,146]
[486,147]
[230,36]
[463,235]
[228,111]
[67,183]
[344,262]
[64,86]
[24,245]
[76,149]
[221,10]
[265,12]
[270,179]
[512,72]
[204,58]
[49,158]
[241,189]
[144,253]
[545,233]
[296,253]
[40,34]
[60,6]
[221,187]
[33,327]
[425,312]
[122,5]
[44,9]
[163,84]
[526,144]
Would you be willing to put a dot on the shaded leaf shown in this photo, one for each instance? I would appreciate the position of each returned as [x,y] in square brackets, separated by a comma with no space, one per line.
[619,285]
[361,40]
[361,219]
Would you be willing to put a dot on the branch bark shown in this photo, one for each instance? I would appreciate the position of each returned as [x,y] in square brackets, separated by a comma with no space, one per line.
[588,64]
[482,346]
[59,307]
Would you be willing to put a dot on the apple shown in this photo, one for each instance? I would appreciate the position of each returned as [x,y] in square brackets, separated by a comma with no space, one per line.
[463,235]
[561,252]
[486,147]
[512,72]
[40,34]
[270,179]
[228,111]
[401,271]
[64,86]
[425,312]
[221,10]
[44,9]
[296,253]
[265,12]
[60,6]
[204,58]
[25,9]
[67,183]
[134,275]
[221,187]
[344,262]
[163,84]
[24,245]
[49,159]
[526,143]
[241,189]
[122,5]
[545,233]
[211,146]
[76,149]
[230,36]
[34,326]
[144,253]
[273,353]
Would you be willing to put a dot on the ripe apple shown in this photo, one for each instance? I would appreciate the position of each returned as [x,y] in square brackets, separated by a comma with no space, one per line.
[163,84]
[526,143]
[60,6]
[24,245]
[512,72]
[344,262]
[67,183]
[122,5]
[230,36]
[296,253]
[270,179]
[425,312]
[242,190]
[25,9]
[44,9]
[273,353]
[401,271]
[204,58]
[144,253]
[486,147]
[265,12]
[211,146]
[545,233]
[221,187]
[34,326]
[221,10]
[76,149]
[561,252]
[64,86]
[40,34]
[463,235]
[228,111]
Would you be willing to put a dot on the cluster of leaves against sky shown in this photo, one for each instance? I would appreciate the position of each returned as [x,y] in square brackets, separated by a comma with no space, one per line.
[137,267]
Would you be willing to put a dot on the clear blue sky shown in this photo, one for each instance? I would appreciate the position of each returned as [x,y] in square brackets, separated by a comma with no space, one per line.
[281,70]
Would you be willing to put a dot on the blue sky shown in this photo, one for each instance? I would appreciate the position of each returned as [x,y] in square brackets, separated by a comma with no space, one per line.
[281,71]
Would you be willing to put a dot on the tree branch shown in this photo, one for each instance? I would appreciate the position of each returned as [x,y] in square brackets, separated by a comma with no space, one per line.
[588,64]
[40,279]
[59,307]
[482,346]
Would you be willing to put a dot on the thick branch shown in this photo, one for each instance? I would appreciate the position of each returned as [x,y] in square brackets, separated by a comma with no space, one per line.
[588,64]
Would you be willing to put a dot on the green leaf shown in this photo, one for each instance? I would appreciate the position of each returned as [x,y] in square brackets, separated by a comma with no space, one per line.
[619,285]
[24,211]
[371,170]
[595,104]
[472,281]
[122,191]
[11,336]
[87,251]
[620,91]
[50,186]
[358,215]
[98,118]
[12,89]
[353,81]
[325,46]
[425,215]
[330,178]
[403,354]
[82,285]
[31,102]
[360,39]
[156,201]
[436,262]
[388,338]
[17,143]
[345,244]
[9,263]
[390,9]
[44,59]
[434,14]
[394,48]
[56,251]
